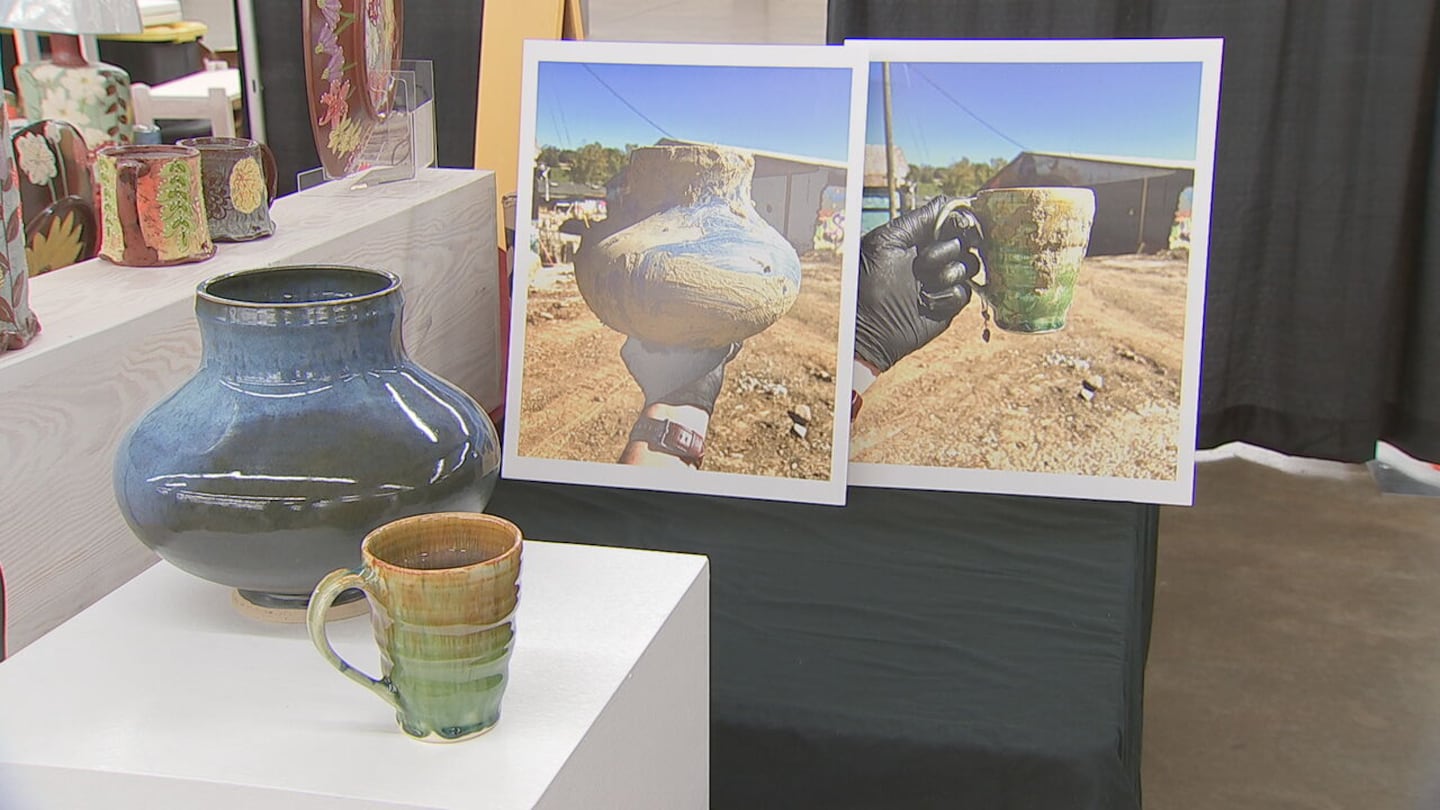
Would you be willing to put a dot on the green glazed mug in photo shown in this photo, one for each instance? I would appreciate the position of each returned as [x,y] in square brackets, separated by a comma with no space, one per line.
[443,589]
[1034,242]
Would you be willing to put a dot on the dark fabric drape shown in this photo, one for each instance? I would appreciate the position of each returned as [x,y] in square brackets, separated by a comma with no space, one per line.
[910,650]
[1322,326]
[447,32]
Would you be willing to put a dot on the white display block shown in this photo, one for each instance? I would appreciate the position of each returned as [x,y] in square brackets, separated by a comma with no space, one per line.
[162,696]
[115,340]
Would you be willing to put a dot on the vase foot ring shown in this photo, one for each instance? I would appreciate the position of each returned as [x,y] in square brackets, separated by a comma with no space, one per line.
[291,610]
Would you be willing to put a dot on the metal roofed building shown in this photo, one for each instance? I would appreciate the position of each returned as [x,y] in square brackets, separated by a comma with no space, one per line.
[1136,199]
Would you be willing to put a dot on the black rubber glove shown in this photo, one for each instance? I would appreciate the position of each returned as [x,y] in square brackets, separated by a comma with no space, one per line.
[911,286]
[678,376]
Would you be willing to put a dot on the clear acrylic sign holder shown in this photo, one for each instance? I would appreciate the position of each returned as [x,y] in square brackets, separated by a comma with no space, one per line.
[400,143]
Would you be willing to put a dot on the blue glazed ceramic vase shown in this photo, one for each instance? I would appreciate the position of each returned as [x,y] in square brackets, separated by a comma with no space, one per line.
[305,427]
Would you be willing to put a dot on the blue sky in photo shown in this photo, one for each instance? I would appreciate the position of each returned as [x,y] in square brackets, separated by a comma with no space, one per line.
[946,111]
[797,110]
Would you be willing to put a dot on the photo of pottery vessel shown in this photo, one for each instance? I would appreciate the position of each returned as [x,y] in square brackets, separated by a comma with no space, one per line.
[684,292]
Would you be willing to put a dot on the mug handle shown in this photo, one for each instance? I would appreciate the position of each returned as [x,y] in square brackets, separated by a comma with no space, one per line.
[958,220]
[335,583]
[127,211]
[272,173]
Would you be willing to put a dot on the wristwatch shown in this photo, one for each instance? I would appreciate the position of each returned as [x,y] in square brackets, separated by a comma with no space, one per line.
[665,436]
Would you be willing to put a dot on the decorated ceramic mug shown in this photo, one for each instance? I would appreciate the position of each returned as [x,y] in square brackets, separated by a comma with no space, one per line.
[238,175]
[151,208]
[443,589]
[1034,242]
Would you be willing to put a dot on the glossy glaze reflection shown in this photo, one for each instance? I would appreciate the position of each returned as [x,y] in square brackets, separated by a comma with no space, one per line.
[305,427]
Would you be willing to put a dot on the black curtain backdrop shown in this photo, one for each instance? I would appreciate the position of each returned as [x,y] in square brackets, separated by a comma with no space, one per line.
[447,32]
[1322,329]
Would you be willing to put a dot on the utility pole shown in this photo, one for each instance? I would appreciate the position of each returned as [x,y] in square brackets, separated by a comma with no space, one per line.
[889,144]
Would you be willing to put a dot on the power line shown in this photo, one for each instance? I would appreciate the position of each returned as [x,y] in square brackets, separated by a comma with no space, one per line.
[968,111]
[617,95]
[915,121]
[558,111]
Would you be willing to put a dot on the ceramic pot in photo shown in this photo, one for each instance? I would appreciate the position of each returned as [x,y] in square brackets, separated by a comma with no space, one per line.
[238,176]
[152,211]
[684,257]
[1035,240]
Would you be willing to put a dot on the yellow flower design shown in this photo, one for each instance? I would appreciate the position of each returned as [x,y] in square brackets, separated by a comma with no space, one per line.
[58,246]
[344,137]
[247,185]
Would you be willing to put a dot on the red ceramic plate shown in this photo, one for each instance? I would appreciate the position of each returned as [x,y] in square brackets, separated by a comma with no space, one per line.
[352,49]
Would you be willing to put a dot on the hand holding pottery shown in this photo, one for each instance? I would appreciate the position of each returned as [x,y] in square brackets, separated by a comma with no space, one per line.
[677,375]
[911,285]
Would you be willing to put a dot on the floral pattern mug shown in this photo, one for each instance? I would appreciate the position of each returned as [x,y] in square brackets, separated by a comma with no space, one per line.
[151,207]
[239,177]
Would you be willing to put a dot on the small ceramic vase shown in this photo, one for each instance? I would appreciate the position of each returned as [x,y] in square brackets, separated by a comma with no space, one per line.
[18,325]
[238,175]
[152,211]
[94,96]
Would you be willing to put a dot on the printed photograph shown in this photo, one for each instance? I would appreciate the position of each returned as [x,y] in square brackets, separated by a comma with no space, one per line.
[1032,275]
[685,272]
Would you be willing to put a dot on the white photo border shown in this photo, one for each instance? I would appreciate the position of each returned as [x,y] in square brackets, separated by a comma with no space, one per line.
[1207,53]
[829,491]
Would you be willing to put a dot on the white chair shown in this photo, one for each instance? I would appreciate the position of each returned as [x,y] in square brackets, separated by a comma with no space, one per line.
[214,107]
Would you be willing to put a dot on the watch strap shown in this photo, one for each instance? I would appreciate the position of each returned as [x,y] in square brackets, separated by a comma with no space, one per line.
[673,438]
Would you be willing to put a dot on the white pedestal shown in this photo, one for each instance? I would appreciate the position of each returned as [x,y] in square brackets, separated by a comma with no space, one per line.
[161,696]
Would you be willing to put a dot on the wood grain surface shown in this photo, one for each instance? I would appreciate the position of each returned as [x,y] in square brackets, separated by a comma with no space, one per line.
[115,340]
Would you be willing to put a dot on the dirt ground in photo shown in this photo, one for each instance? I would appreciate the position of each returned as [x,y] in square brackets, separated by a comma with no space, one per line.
[774,414]
[1100,397]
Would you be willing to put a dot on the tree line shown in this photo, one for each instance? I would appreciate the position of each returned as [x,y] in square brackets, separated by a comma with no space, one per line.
[962,178]
[595,164]
[591,164]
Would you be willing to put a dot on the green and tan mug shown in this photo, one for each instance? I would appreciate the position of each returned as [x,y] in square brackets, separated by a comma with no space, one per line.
[1034,242]
[443,589]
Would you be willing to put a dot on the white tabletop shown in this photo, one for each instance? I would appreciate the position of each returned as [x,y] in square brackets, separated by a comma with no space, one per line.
[162,690]
[197,85]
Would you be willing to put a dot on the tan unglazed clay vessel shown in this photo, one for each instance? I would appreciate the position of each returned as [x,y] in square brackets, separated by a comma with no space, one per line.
[684,258]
